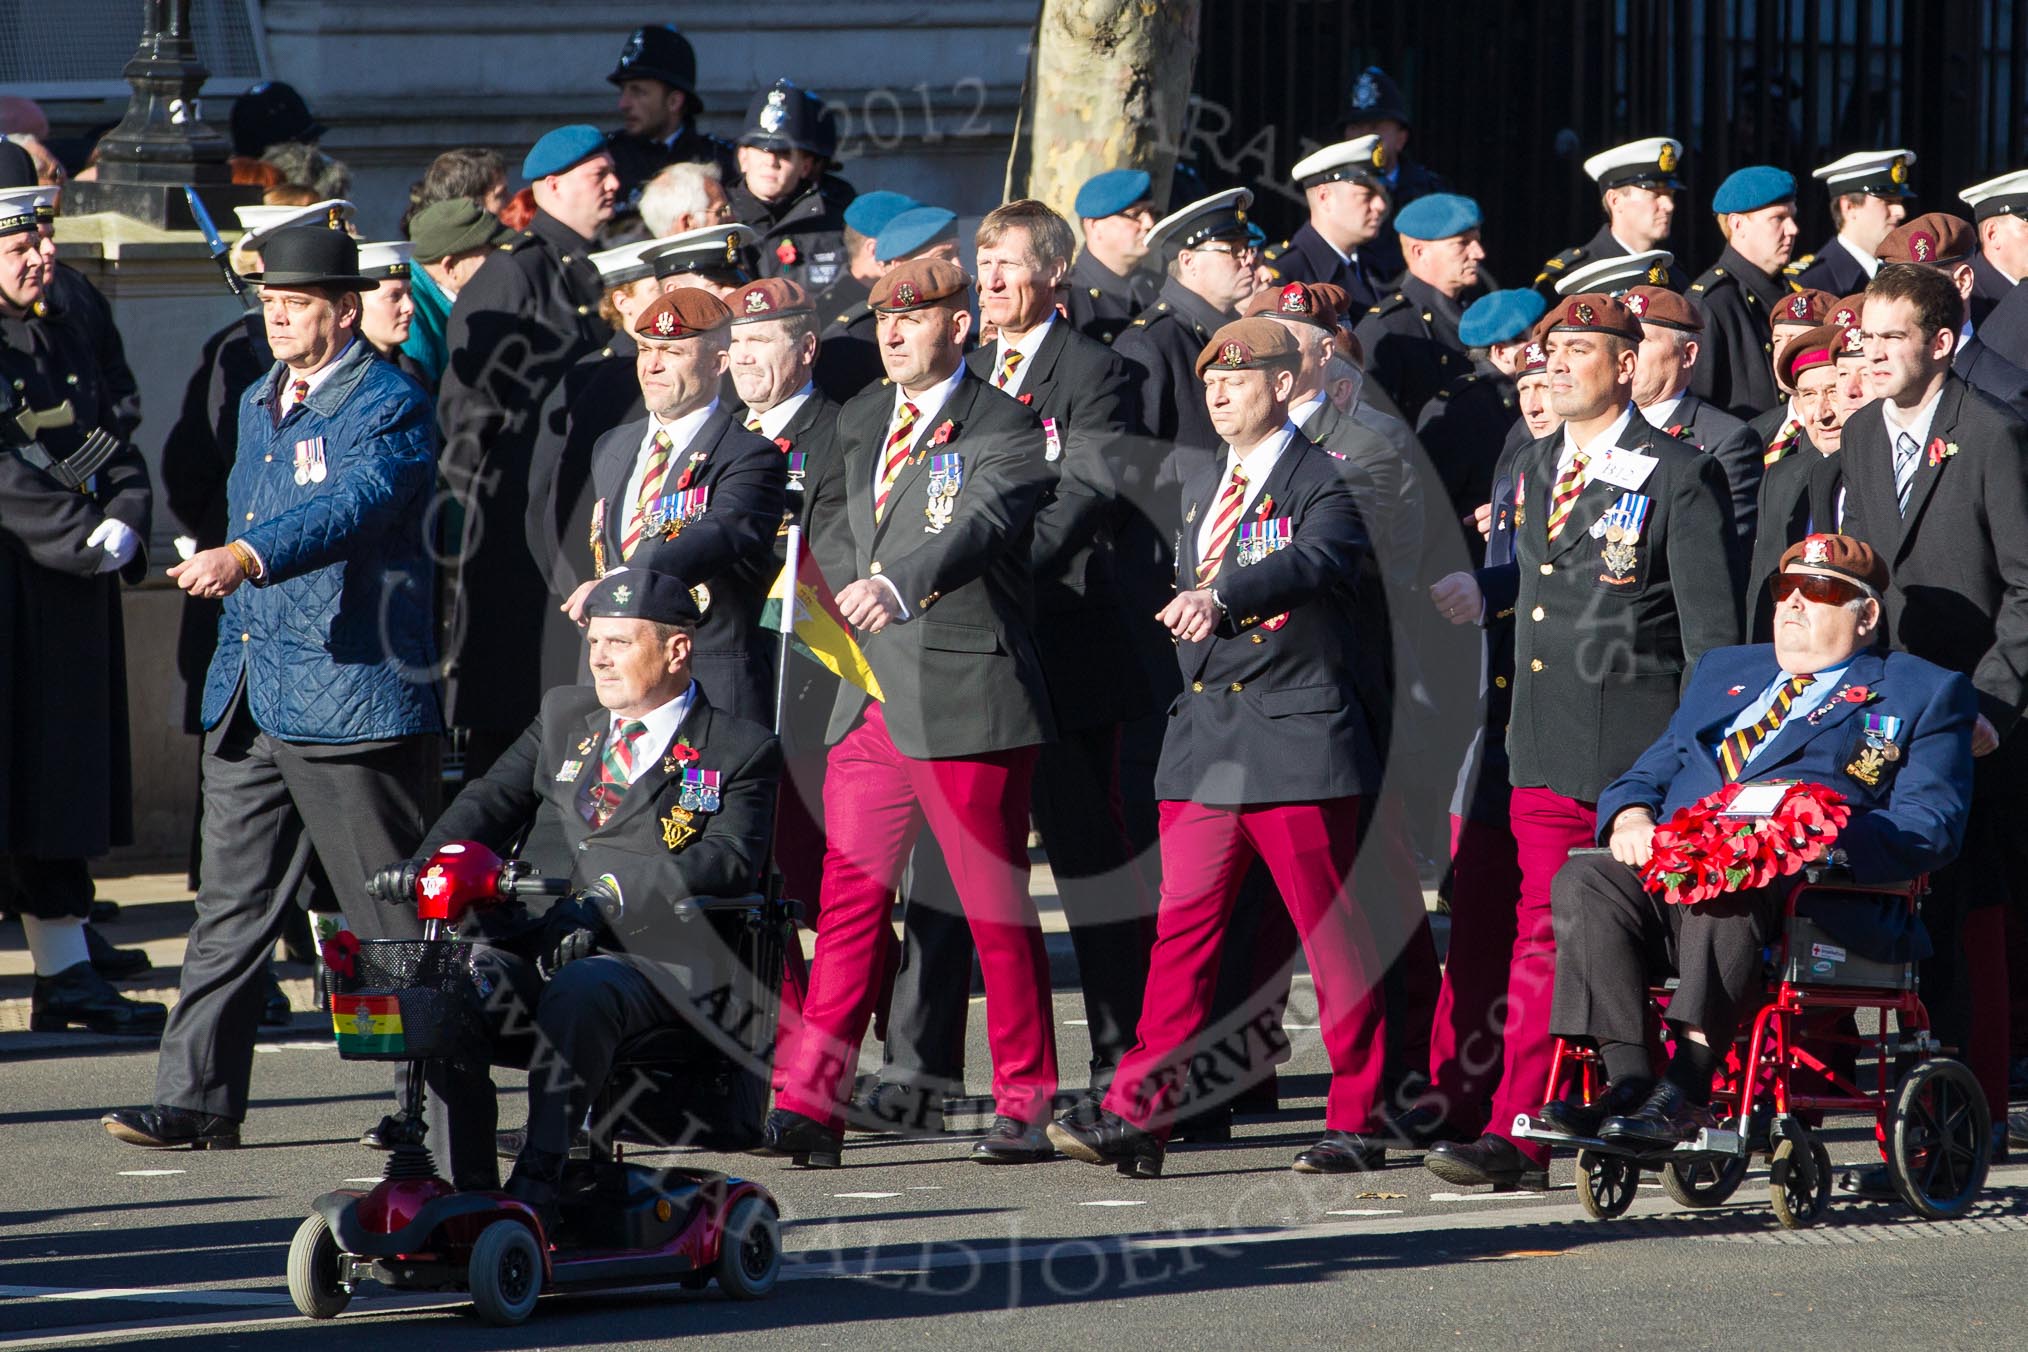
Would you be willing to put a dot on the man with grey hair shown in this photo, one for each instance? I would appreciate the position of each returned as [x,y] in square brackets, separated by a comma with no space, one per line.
[686,196]
[1671,337]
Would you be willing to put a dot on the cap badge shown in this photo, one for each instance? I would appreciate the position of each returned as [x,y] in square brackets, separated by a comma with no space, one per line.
[756,302]
[1380,155]
[665,326]
[631,53]
[1852,342]
[732,251]
[1232,354]
[774,115]
[1799,306]
[1656,277]
[1666,160]
[1637,304]
[334,219]
[622,594]
[1897,170]
[1844,315]
[1295,299]
[1366,93]
[1922,246]
[1585,314]
[1536,356]
[904,294]
[1816,550]
[1239,214]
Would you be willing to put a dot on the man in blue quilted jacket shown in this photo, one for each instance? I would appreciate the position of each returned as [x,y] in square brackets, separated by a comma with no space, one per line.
[320,709]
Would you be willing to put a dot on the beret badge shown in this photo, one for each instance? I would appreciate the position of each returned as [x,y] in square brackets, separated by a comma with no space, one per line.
[1295,299]
[905,294]
[1922,246]
[1637,304]
[1584,314]
[1233,354]
[757,303]
[1816,550]
[622,594]
[1799,306]
[665,327]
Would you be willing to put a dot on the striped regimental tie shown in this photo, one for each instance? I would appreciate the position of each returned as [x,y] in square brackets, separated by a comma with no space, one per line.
[894,456]
[616,771]
[651,488]
[1564,496]
[1736,750]
[1224,522]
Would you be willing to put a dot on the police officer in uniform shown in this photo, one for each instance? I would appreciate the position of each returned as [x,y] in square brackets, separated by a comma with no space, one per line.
[1637,186]
[1672,332]
[1624,575]
[1411,337]
[847,360]
[1378,109]
[1870,191]
[1756,208]
[1345,186]
[527,314]
[75,507]
[785,193]
[657,80]
[2000,214]
[1107,286]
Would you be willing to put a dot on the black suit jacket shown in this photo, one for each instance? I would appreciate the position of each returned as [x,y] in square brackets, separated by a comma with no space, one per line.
[1272,709]
[1100,303]
[809,689]
[1307,257]
[1411,343]
[1730,442]
[730,549]
[540,785]
[1081,392]
[1987,371]
[1990,287]
[1601,653]
[1831,268]
[1788,509]
[1957,563]
[961,675]
[1736,367]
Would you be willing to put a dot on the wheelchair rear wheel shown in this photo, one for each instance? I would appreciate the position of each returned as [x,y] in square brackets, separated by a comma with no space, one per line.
[1940,1140]
[1704,1183]
[1606,1184]
[1799,1185]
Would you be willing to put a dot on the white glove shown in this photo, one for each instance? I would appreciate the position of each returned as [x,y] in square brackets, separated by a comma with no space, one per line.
[119,542]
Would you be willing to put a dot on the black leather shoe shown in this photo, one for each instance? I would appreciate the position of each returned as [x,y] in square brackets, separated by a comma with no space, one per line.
[803,1140]
[160,1128]
[1108,1139]
[1419,1128]
[905,1109]
[1575,1118]
[79,996]
[509,1144]
[276,1012]
[537,1179]
[1490,1159]
[1868,1183]
[1666,1118]
[103,912]
[1012,1141]
[1342,1152]
[391,1131]
[112,962]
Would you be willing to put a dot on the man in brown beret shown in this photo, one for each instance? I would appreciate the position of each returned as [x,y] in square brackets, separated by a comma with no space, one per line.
[922,527]
[1268,756]
[1671,339]
[1624,574]
[1822,705]
[1779,429]
[689,492]
[1948,244]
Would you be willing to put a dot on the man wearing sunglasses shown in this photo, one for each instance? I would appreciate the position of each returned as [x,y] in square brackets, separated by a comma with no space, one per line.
[1821,705]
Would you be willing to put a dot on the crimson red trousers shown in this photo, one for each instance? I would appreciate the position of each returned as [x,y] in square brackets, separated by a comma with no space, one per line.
[1467,1036]
[877,800]
[1547,827]
[1309,849]
[799,857]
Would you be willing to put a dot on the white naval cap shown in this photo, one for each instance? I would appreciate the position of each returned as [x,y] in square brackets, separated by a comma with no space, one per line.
[2006,195]
[1363,159]
[1219,216]
[1647,163]
[628,262]
[260,222]
[385,259]
[1877,173]
[1611,276]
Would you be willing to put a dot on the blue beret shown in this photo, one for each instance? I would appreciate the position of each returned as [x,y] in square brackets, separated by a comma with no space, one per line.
[910,230]
[1754,187]
[637,594]
[1110,193]
[560,149]
[869,212]
[1437,216]
[1500,316]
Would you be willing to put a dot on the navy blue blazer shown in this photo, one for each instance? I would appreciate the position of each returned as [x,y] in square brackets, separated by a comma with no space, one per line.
[1910,821]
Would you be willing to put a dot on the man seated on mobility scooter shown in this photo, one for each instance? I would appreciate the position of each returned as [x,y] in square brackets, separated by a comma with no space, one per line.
[645,796]
[1820,706]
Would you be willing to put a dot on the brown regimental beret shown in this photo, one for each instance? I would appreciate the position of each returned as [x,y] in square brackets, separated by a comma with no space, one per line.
[1594,313]
[1807,306]
[1256,343]
[1846,311]
[917,283]
[1852,346]
[1840,554]
[1660,305]
[1318,303]
[682,314]
[769,298]
[1812,347]
[1937,239]
[1534,358]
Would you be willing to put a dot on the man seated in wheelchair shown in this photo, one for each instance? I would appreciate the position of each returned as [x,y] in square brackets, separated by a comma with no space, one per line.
[646,797]
[1822,705]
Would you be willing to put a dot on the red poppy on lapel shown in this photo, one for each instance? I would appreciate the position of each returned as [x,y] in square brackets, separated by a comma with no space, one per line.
[782,444]
[943,433]
[683,753]
[1737,690]
[1267,505]
[1674,429]
[786,252]
[1940,451]
[1026,396]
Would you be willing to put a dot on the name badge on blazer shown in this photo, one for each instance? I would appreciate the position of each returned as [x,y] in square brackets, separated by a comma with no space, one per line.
[1623,468]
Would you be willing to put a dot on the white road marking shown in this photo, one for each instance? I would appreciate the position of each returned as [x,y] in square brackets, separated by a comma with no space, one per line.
[153,1294]
[1077,1023]
[1489,1196]
[1113,1201]
[869,1196]
[1365,1211]
[927,1187]
[362,1180]
[148,1173]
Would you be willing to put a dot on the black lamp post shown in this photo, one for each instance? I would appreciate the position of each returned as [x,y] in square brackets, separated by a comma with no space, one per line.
[163,142]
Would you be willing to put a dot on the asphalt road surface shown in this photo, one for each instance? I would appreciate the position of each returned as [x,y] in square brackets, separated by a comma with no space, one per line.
[908,1245]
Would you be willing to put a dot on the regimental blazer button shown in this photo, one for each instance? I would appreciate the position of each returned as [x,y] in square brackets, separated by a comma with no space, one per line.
[1537,614]
[1500,682]
[1548,568]
[1197,687]
[1237,687]
[1535,664]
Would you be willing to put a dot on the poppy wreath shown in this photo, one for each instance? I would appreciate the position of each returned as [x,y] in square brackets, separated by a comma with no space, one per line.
[341,954]
[1700,853]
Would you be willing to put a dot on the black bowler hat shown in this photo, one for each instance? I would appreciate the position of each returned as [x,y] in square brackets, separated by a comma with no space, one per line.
[268,114]
[1375,95]
[311,255]
[784,117]
[659,52]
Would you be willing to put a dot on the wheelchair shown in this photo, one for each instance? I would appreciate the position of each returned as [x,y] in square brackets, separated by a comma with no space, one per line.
[1782,1077]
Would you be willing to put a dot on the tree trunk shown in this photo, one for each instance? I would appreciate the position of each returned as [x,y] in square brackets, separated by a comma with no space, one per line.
[1108,87]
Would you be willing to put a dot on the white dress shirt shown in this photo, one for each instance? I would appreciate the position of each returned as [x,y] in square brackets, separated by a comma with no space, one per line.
[927,405]
[1259,464]
[781,415]
[1917,426]
[1595,448]
[1661,411]
[1027,346]
[1300,414]
[662,724]
[285,399]
[681,432]
[1867,262]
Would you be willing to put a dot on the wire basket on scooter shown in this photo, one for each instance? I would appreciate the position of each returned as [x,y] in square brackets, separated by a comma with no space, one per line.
[408,1000]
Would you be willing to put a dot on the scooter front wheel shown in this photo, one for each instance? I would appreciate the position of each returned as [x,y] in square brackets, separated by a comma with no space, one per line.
[505,1274]
[313,1271]
[750,1250]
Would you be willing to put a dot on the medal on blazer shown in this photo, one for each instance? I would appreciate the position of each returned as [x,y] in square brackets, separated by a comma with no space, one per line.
[569,772]
[668,515]
[700,790]
[946,477]
[1876,750]
[598,537]
[309,461]
[797,460]
[1258,539]
[1520,501]
[1052,440]
[1621,528]
[677,831]
[584,748]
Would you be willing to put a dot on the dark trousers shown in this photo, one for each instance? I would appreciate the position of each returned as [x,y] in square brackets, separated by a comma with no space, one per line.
[1615,939]
[266,803]
[565,1032]
[1076,805]
[48,889]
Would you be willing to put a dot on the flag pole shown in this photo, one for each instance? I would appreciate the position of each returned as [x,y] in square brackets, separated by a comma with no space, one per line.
[785,620]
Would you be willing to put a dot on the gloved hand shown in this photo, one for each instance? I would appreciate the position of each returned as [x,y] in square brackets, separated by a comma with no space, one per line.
[394,885]
[571,930]
[117,539]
